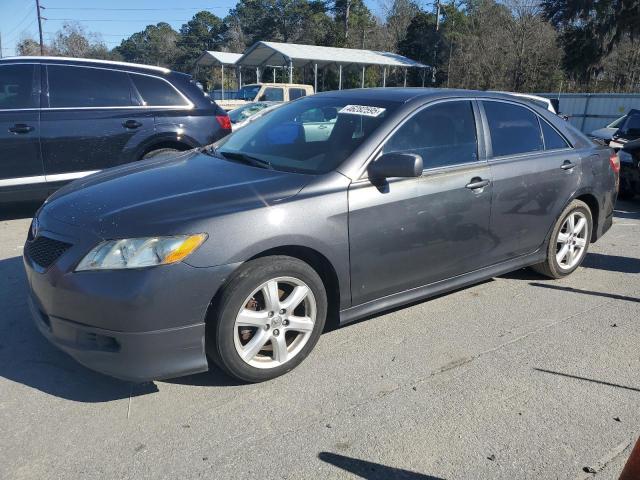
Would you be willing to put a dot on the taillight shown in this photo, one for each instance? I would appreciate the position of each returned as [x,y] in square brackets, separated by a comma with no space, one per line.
[224,121]
[614,161]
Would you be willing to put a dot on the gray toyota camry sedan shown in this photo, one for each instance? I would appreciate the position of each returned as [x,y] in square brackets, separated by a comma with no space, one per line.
[337,206]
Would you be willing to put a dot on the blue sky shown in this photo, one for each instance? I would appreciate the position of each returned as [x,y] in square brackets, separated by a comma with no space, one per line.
[113,19]
[18,17]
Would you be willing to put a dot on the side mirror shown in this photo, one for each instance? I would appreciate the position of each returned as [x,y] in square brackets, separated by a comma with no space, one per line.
[402,165]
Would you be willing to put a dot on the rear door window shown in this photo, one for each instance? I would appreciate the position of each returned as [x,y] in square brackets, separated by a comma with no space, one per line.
[552,139]
[514,129]
[296,93]
[17,87]
[443,134]
[156,92]
[273,95]
[73,87]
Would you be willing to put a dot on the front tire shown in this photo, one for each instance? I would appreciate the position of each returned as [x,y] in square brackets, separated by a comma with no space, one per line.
[267,319]
[569,241]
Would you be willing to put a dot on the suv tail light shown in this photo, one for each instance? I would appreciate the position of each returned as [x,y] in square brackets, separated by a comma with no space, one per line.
[224,121]
[614,161]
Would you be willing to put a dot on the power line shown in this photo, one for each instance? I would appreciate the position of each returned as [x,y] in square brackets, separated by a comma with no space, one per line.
[133,9]
[17,35]
[113,20]
[29,12]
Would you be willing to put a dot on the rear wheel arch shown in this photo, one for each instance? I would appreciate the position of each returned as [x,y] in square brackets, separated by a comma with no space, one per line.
[593,205]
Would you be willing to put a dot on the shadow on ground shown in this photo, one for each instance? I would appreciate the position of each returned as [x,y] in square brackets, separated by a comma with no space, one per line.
[26,357]
[629,209]
[614,296]
[585,379]
[371,470]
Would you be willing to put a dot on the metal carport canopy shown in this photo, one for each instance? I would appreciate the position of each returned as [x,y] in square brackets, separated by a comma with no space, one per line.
[211,57]
[262,54]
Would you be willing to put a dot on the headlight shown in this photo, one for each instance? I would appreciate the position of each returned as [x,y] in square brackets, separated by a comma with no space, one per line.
[140,252]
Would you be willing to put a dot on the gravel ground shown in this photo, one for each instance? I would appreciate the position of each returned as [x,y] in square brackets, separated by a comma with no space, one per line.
[518,377]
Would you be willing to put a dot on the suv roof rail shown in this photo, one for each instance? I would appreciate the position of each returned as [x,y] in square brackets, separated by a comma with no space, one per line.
[90,60]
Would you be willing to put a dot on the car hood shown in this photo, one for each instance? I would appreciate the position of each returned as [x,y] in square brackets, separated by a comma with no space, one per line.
[605,133]
[161,196]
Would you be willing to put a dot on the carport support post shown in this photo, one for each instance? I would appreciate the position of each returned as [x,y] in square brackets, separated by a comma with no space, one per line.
[239,77]
[339,77]
[384,77]
[257,74]
[363,67]
[315,78]
[222,75]
[290,71]
[405,77]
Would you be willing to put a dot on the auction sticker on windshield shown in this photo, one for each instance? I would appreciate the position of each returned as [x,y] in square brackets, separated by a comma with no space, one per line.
[365,110]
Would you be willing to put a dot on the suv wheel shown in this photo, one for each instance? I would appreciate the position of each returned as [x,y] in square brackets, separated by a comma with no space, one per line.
[569,241]
[160,151]
[268,318]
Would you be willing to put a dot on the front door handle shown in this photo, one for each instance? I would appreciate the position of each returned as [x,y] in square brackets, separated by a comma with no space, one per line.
[132,124]
[21,128]
[476,183]
[567,165]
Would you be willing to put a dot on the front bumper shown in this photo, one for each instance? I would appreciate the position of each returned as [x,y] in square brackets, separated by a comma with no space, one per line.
[135,357]
[136,325]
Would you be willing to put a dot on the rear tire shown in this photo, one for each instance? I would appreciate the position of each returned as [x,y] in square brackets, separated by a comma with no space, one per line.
[569,241]
[267,319]
[160,151]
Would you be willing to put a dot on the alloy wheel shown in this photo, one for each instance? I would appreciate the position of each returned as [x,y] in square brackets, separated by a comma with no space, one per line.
[572,240]
[275,322]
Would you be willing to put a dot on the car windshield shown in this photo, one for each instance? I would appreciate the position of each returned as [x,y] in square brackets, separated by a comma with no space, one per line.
[248,92]
[246,111]
[311,135]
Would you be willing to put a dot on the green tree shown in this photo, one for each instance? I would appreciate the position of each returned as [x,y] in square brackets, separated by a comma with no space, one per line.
[204,31]
[274,20]
[420,43]
[155,45]
[608,21]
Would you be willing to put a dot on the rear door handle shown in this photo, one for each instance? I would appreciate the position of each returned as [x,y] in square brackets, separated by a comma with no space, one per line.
[132,124]
[567,165]
[21,128]
[476,183]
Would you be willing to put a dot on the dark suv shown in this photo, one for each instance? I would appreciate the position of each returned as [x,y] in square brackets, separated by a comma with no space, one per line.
[62,119]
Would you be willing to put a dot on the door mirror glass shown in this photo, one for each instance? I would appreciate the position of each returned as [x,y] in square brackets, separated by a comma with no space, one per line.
[396,164]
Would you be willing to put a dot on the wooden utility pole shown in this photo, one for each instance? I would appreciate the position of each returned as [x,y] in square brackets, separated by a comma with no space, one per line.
[0,44]
[40,27]
[435,47]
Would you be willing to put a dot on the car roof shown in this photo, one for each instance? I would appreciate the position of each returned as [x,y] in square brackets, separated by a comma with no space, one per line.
[86,62]
[406,94]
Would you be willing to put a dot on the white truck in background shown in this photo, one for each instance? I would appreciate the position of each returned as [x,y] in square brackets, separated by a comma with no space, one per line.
[266,92]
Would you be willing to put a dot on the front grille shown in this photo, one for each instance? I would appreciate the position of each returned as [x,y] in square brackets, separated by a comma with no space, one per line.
[44,251]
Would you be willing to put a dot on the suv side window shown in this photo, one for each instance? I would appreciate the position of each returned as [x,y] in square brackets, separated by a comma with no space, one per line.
[17,87]
[443,134]
[74,87]
[272,94]
[552,139]
[296,93]
[155,92]
[514,129]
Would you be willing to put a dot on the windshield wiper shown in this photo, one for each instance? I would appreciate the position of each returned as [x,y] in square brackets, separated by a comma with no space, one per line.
[243,157]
